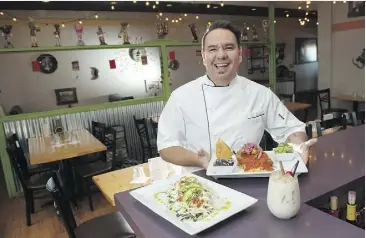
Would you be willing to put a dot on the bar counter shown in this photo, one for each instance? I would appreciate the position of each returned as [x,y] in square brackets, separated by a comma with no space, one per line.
[336,159]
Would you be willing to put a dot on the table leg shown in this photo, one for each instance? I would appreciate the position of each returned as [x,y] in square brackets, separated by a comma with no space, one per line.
[68,180]
[306,114]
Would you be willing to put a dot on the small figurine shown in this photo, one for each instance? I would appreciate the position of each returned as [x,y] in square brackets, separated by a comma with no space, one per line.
[6,32]
[254,32]
[100,34]
[123,33]
[57,34]
[194,32]
[265,25]
[79,33]
[244,33]
[33,28]
[161,28]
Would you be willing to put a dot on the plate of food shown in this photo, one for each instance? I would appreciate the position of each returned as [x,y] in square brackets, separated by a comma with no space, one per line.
[249,161]
[192,203]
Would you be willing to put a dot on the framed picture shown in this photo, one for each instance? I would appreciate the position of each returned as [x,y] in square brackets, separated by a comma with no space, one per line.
[66,96]
[306,50]
[356,9]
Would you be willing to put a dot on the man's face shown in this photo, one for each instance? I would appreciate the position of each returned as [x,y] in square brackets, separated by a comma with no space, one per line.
[221,55]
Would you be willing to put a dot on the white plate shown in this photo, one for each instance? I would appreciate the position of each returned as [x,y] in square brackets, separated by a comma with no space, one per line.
[239,202]
[285,156]
[240,173]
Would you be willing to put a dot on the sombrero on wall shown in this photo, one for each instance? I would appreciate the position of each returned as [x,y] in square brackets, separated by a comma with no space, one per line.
[47,63]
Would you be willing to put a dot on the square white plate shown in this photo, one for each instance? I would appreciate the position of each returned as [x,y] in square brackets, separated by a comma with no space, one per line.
[239,202]
[240,173]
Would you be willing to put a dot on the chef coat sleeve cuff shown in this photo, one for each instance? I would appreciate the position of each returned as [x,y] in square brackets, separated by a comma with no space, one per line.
[294,130]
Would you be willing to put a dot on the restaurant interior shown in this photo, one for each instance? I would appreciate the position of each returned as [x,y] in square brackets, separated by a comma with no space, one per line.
[80,118]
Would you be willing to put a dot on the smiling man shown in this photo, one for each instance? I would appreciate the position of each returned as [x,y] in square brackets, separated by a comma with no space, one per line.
[222,105]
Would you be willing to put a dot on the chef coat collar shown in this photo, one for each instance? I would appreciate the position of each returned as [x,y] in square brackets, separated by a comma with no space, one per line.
[208,82]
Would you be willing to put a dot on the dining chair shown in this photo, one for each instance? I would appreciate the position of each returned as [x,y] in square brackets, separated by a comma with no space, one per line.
[123,158]
[112,225]
[14,142]
[32,185]
[154,126]
[286,97]
[148,150]
[324,99]
[85,172]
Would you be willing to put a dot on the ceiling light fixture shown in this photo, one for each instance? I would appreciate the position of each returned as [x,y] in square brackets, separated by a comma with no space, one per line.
[334,2]
[215,7]
[169,5]
[254,9]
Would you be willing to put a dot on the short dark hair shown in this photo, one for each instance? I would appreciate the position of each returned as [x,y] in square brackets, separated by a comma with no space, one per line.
[222,24]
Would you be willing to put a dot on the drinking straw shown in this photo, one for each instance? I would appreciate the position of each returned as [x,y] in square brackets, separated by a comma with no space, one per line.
[282,170]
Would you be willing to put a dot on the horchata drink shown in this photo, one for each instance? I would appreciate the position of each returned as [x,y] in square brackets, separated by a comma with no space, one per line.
[283,195]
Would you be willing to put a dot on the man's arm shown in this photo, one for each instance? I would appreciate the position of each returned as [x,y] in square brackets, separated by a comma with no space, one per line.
[297,138]
[181,156]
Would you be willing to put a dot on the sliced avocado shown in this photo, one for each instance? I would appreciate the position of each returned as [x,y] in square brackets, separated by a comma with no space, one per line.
[188,194]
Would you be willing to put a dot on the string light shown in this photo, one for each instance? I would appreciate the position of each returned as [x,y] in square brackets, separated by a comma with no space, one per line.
[80,22]
[112,7]
[334,2]
[96,16]
[157,2]
[185,14]
[1,13]
[180,18]
[173,21]
[147,3]
[344,1]
[166,19]
[307,6]
[160,13]
[154,6]
[134,1]
[273,22]
[222,4]
[14,19]
[197,17]
[62,25]
[299,7]
[317,23]
[208,6]
[287,15]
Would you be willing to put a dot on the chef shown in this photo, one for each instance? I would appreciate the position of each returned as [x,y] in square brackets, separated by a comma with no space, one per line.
[223,105]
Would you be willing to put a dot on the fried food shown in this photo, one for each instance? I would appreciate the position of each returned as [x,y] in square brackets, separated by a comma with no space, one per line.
[223,151]
[253,159]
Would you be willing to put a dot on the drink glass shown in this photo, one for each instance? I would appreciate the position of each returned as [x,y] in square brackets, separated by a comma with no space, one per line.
[158,169]
[283,195]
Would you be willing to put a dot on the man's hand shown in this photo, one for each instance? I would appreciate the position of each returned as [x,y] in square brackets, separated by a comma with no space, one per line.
[304,148]
[204,158]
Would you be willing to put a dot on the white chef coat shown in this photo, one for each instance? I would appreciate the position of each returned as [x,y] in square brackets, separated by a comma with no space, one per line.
[198,113]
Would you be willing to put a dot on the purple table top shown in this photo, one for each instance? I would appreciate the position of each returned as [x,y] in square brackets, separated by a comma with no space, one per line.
[336,160]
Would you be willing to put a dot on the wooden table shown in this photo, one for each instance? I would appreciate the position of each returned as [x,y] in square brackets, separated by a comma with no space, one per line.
[118,181]
[350,98]
[42,150]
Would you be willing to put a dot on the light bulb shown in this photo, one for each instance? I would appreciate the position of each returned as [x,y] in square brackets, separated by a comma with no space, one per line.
[1,13]
[80,22]
[96,16]
[166,19]
[287,15]
[221,4]
[154,6]
[147,3]
[197,17]
[180,18]
[112,7]
[160,14]
[185,14]
[208,6]
[62,25]
[157,2]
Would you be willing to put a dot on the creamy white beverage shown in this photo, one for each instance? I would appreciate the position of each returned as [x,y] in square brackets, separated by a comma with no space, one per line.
[283,195]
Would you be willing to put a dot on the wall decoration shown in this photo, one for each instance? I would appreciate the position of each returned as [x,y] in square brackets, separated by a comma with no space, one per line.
[79,29]
[66,96]
[193,28]
[161,28]
[360,60]
[356,9]
[244,33]
[173,64]
[306,50]
[123,33]
[48,63]
[35,66]
[100,34]
[75,65]
[94,72]
[6,32]
[57,34]
[33,28]
[112,64]
[254,33]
